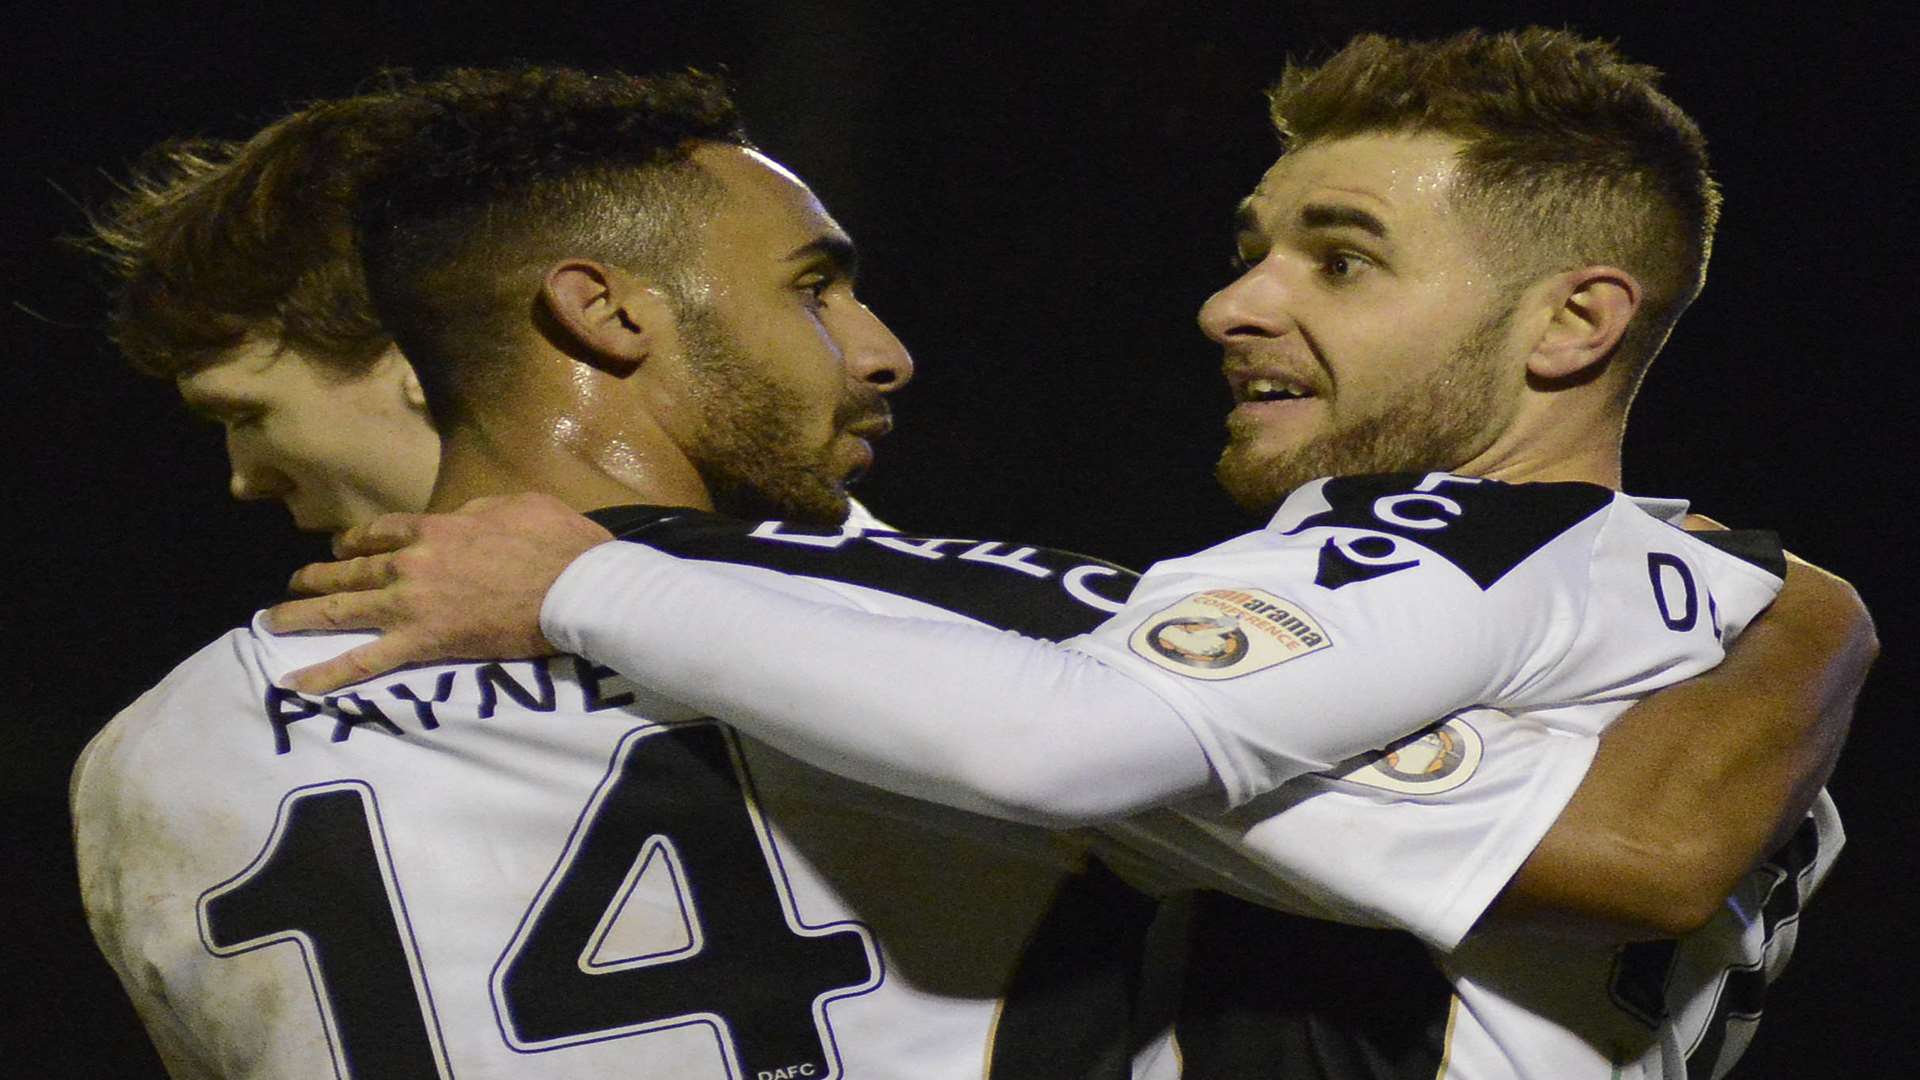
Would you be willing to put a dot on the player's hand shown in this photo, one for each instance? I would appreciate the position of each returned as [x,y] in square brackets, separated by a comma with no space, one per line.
[466,585]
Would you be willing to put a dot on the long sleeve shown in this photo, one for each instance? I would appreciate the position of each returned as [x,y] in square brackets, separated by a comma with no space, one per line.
[954,712]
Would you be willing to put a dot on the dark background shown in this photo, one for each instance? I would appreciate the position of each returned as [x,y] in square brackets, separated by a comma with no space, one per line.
[1042,201]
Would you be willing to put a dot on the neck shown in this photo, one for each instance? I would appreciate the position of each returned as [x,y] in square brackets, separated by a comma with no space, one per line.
[1556,444]
[583,464]
[1598,466]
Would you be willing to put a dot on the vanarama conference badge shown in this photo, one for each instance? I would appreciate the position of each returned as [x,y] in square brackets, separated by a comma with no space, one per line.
[1428,762]
[1227,633]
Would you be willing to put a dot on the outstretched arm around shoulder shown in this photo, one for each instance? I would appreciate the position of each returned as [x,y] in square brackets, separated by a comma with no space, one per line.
[1688,792]
[952,712]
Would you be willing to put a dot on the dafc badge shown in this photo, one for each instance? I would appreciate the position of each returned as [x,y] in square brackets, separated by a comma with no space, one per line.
[1227,633]
[1429,762]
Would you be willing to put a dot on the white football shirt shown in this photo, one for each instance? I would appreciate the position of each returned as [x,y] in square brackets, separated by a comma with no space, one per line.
[1556,605]
[1398,684]
[537,870]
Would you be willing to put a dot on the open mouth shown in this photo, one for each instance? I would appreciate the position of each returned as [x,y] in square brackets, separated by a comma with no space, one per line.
[1264,388]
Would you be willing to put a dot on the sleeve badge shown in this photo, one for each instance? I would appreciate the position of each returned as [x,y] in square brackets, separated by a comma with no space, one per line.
[1227,633]
[1428,762]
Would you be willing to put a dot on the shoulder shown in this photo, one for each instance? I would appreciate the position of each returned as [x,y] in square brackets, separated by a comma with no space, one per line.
[1034,589]
[106,774]
[1371,525]
[268,656]
[1435,534]
[168,726]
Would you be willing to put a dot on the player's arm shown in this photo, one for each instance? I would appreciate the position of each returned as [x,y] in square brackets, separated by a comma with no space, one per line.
[1695,785]
[94,800]
[957,713]
[1015,728]
[932,710]
[991,722]
[1031,729]
[177,1049]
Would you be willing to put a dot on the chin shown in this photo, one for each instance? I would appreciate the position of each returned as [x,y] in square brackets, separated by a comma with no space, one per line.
[828,512]
[310,521]
[1257,481]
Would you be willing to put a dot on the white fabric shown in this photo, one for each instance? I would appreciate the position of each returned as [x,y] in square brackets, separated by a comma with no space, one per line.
[1522,672]
[900,703]
[1549,654]
[859,517]
[904,919]
[1534,1007]
[1558,646]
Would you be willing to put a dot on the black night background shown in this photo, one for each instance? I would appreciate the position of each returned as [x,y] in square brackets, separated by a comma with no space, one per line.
[1041,194]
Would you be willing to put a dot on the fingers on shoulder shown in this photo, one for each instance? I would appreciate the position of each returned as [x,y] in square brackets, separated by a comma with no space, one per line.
[353,666]
[384,533]
[333,611]
[360,572]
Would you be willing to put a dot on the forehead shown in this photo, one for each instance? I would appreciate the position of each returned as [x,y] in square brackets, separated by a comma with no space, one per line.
[256,371]
[765,205]
[237,372]
[1403,180]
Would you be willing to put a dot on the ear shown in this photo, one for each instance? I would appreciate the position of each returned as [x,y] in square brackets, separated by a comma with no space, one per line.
[410,386]
[1588,313]
[395,365]
[410,391]
[602,315]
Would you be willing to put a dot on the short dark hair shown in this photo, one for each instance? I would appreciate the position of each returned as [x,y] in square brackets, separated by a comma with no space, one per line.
[1571,155]
[507,171]
[211,241]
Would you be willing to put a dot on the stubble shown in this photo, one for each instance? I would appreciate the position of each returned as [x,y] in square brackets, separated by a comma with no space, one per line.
[1436,423]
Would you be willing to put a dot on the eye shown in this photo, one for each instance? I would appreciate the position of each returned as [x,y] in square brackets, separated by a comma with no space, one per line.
[816,286]
[227,417]
[242,419]
[1246,255]
[1344,266]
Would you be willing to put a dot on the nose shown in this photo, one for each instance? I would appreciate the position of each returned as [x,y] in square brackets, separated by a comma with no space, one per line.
[248,485]
[249,479]
[873,354]
[1253,305]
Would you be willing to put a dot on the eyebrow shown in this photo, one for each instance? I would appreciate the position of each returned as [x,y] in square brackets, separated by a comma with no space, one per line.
[214,405]
[1245,218]
[835,249]
[1334,216]
[1313,216]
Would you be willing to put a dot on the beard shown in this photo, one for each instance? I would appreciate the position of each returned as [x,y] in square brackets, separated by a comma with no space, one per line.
[1437,423]
[748,442]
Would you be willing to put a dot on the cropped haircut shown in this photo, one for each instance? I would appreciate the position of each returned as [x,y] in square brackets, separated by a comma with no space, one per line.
[509,171]
[1571,157]
[211,241]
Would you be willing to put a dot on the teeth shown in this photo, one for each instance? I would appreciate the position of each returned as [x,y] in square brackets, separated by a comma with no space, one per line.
[1270,390]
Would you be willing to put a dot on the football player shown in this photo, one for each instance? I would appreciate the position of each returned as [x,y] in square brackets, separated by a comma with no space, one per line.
[534,870]
[1454,278]
[263,323]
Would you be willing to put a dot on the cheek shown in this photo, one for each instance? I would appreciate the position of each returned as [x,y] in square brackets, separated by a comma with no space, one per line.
[812,371]
[1381,355]
[255,449]
[312,455]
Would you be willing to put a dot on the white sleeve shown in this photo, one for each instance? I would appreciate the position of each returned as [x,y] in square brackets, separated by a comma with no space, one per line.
[1214,669]
[1429,834]
[958,713]
[1278,677]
